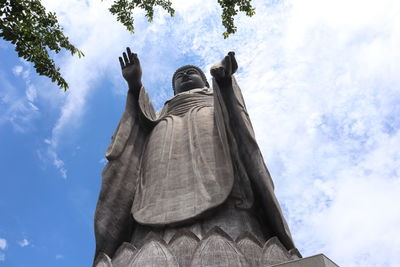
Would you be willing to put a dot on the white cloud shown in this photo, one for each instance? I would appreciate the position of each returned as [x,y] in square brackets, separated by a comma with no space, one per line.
[3,246]
[95,31]
[58,163]
[17,109]
[17,70]
[323,94]
[320,79]
[103,161]
[3,243]
[31,93]
[23,243]
[48,155]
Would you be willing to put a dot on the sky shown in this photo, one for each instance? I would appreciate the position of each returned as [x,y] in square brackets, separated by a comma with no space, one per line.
[321,82]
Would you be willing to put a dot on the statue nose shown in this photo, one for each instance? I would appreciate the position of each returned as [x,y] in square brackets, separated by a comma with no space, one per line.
[185,77]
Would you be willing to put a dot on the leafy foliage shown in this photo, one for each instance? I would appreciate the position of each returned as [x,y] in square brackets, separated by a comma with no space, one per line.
[35,32]
[230,9]
[123,9]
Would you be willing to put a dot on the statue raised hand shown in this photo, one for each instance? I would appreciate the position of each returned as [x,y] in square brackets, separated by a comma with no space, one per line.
[224,70]
[131,70]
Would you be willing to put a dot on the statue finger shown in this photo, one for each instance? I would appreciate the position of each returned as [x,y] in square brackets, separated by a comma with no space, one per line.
[128,50]
[135,59]
[130,55]
[125,58]
[222,72]
[121,62]
[213,72]
[218,72]
[131,58]
[233,61]
[228,65]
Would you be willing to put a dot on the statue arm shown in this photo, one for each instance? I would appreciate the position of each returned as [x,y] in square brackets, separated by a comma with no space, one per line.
[139,111]
[125,125]
[113,221]
[230,97]
[230,104]
[224,80]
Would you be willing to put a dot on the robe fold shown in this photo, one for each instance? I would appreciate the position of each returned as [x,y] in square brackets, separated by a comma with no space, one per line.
[245,151]
[186,167]
[173,168]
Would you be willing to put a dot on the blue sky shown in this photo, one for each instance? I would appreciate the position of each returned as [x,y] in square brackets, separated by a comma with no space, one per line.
[320,80]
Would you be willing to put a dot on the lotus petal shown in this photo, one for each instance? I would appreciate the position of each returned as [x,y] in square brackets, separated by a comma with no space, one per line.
[154,253]
[251,248]
[218,249]
[124,255]
[183,245]
[274,252]
[102,260]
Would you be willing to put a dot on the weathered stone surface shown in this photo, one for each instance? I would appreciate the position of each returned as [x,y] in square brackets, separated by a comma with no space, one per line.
[154,253]
[274,253]
[295,254]
[195,163]
[185,169]
[102,260]
[124,255]
[251,248]
[183,245]
[218,249]
[319,260]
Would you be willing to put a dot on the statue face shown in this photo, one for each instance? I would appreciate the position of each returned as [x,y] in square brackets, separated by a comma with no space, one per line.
[188,79]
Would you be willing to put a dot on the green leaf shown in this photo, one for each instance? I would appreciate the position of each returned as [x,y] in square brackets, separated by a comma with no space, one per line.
[123,9]
[35,32]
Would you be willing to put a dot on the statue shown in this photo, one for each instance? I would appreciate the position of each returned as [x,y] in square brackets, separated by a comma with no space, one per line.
[195,165]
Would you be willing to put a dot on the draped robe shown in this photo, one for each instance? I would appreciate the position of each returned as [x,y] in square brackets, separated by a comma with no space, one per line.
[186,167]
[175,167]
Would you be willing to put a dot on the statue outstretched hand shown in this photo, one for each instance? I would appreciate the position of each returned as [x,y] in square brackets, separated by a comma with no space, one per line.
[131,70]
[223,70]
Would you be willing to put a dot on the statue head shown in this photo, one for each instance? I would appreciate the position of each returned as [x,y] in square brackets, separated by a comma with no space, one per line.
[188,77]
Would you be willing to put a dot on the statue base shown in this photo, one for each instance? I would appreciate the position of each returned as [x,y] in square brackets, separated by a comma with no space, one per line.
[216,248]
[319,260]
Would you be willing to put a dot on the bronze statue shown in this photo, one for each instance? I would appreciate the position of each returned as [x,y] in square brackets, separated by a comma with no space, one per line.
[193,166]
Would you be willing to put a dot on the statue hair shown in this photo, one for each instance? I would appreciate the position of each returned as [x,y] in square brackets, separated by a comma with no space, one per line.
[203,76]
